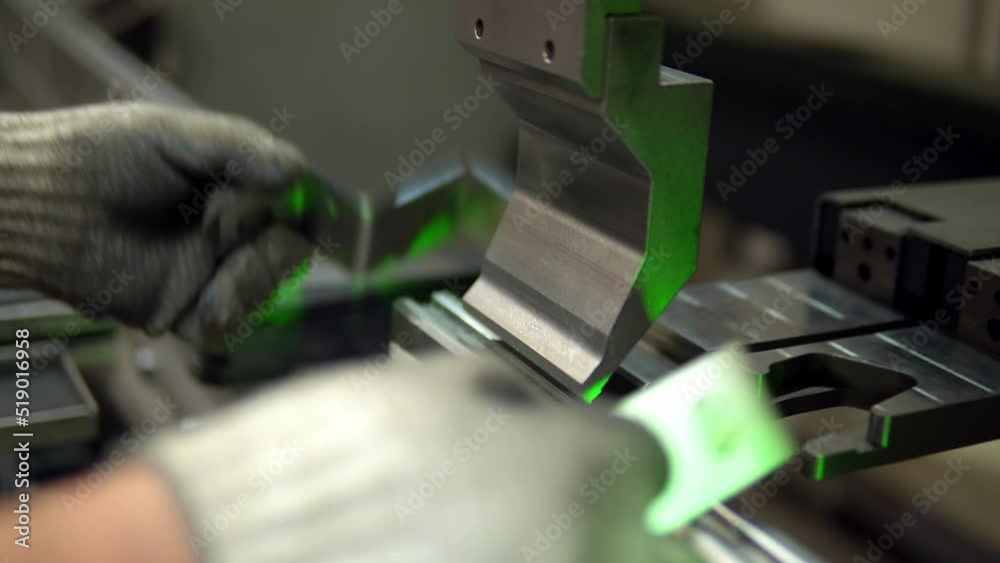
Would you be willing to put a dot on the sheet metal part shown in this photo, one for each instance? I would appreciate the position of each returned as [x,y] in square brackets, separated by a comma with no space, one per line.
[925,393]
[817,345]
[601,231]
[765,313]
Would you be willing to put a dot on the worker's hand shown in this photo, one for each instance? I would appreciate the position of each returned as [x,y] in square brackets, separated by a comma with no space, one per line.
[145,213]
[449,461]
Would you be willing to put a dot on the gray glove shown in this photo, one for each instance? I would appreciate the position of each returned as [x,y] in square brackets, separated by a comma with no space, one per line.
[449,461]
[145,213]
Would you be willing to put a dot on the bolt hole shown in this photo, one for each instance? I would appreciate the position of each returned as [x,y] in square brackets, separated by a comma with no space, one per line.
[890,254]
[549,54]
[480,28]
[868,243]
[865,272]
[993,328]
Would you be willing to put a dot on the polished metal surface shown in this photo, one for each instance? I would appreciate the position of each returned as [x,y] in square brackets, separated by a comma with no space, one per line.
[764,313]
[522,32]
[818,345]
[602,229]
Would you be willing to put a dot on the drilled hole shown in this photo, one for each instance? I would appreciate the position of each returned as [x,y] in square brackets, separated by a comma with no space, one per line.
[890,254]
[993,328]
[549,54]
[480,28]
[865,272]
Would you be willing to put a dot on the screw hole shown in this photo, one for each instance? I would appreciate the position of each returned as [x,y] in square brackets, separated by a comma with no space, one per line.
[480,28]
[865,272]
[890,254]
[549,54]
[868,243]
[993,328]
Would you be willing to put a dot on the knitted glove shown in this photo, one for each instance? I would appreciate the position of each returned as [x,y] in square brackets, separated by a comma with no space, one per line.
[145,213]
[449,461]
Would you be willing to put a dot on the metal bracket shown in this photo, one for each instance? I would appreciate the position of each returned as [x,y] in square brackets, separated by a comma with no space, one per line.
[602,230]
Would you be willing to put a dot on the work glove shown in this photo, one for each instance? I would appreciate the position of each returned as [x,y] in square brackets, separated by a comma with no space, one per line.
[447,461]
[159,217]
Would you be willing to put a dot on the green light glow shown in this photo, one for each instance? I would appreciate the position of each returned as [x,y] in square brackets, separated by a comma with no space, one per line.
[367,212]
[820,471]
[331,208]
[378,278]
[886,431]
[595,45]
[670,144]
[292,301]
[591,395]
[297,200]
[718,438]
[435,233]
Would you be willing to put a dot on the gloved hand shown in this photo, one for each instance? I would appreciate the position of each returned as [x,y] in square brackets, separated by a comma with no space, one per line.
[153,215]
[448,461]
